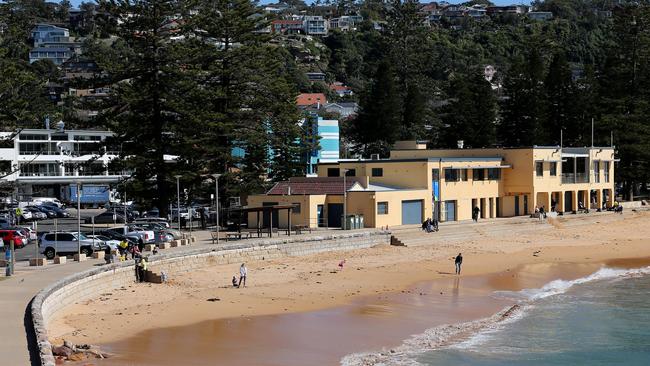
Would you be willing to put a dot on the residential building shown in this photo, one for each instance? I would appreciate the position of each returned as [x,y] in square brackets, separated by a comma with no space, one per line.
[345,23]
[283,26]
[415,183]
[340,89]
[315,76]
[328,141]
[343,109]
[308,99]
[52,43]
[315,25]
[509,9]
[540,15]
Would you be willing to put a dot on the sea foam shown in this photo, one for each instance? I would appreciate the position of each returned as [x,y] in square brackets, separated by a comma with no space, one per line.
[466,335]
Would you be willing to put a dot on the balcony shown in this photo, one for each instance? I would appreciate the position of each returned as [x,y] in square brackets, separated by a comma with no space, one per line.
[571,178]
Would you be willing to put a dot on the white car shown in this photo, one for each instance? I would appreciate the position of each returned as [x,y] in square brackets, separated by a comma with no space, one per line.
[32,233]
[52,244]
[104,241]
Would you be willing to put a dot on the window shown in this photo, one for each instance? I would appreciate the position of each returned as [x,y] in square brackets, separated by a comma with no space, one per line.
[451,175]
[382,208]
[596,171]
[553,169]
[296,207]
[351,173]
[539,168]
[463,174]
[333,172]
[494,174]
[606,170]
[478,174]
[32,137]
[377,172]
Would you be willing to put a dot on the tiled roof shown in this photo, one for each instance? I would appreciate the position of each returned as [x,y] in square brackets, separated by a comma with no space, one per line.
[312,186]
[306,99]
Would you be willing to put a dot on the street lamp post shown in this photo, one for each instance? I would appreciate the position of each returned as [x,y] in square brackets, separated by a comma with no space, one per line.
[216,201]
[178,199]
[79,220]
[345,200]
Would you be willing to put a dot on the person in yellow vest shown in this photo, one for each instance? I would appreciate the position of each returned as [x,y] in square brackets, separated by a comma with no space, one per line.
[142,267]
[123,248]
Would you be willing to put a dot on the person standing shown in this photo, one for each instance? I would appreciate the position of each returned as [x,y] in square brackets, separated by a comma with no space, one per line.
[475,213]
[458,261]
[243,271]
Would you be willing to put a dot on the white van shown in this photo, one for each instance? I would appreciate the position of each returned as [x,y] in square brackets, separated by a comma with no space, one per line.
[39,201]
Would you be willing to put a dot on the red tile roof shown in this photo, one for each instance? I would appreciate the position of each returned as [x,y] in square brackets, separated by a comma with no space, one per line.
[306,99]
[312,186]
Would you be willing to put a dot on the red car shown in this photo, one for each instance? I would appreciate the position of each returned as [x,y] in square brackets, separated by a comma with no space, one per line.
[15,235]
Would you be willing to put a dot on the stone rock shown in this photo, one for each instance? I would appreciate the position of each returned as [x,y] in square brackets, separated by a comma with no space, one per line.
[62,351]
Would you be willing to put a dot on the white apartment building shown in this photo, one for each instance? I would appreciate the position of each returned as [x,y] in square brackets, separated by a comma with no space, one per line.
[43,162]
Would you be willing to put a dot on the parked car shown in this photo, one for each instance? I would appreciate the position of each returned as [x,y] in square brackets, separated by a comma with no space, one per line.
[48,200]
[36,213]
[119,237]
[175,234]
[49,213]
[139,237]
[29,232]
[104,241]
[106,217]
[60,212]
[52,244]
[160,233]
[149,236]
[13,234]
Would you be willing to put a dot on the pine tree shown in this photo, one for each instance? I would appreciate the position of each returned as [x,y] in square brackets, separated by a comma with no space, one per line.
[560,101]
[471,113]
[377,126]
[144,65]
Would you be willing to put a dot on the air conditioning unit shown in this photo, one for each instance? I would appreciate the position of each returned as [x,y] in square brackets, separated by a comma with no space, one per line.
[374,156]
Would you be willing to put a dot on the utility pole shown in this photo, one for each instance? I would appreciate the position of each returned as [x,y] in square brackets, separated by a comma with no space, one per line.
[216,201]
[178,199]
[345,201]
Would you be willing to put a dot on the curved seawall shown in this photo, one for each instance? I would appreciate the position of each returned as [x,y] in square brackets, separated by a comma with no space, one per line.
[93,282]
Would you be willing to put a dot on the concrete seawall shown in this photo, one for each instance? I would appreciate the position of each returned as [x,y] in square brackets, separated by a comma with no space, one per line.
[94,282]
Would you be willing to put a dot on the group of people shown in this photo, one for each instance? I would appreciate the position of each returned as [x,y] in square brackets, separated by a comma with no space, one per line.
[430,225]
[540,212]
[140,268]
[243,272]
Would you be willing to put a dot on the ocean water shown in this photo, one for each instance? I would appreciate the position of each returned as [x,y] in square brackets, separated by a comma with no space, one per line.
[601,319]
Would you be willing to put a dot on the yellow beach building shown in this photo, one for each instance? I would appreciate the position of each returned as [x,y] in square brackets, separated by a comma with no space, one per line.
[415,183]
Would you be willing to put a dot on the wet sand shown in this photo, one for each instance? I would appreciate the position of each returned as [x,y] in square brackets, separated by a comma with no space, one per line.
[300,310]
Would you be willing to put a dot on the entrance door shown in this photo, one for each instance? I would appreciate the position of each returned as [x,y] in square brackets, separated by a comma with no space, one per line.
[334,213]
[516,205]
[450,210]
[525,204]
[320,214]
[412,212]
[267,215]
[568,201]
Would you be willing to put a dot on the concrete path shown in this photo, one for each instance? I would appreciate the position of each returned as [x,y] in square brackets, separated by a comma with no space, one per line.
[16,293]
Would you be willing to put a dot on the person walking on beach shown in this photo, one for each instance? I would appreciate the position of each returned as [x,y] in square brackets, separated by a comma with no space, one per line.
[458,262]
[243,271]
[475,213]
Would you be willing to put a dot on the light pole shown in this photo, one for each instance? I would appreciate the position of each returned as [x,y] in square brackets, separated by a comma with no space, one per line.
[79,220]
[178,199]
[216,201]
[345,200]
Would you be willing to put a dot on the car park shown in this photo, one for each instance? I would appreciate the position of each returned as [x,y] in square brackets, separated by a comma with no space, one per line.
[119,237]
[158,227]
[52,244]
[36,214]
[105,241]
[49,213]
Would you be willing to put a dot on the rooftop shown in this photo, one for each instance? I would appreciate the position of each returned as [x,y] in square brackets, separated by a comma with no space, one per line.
[312,186]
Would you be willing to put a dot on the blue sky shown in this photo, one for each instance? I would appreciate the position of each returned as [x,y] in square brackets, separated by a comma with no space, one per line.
[498,2]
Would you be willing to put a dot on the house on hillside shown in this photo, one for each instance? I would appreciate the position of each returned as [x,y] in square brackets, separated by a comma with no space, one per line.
[343,109]
[283,26]
[53,43]
[340,89]
[540,15]
[309,99]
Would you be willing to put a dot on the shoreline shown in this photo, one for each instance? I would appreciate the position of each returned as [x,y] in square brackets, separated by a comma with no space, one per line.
[375,273]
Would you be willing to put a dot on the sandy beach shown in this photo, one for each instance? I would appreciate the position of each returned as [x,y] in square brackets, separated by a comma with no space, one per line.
[285,293]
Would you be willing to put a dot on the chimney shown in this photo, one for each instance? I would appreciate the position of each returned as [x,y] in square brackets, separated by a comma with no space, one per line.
[460,143]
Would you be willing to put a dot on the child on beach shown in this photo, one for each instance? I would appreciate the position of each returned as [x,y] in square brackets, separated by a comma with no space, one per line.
[341,263]
[234,281]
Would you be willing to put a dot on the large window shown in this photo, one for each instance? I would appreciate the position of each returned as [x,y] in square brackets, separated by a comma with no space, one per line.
[553,169]
[451,175]
[539,168]
[296,207]
[377,172]
[478,174]
[606,170]
[494,174]
[333,172]
[596,171]
[39,170]
[382,208]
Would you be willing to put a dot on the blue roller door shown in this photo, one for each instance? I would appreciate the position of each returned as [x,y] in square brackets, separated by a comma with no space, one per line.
[412,212]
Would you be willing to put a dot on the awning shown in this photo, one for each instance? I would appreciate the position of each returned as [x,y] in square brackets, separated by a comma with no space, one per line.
[480,167]
[551,160]
[571,155]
